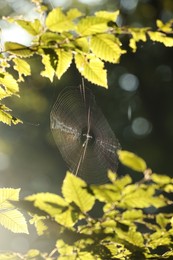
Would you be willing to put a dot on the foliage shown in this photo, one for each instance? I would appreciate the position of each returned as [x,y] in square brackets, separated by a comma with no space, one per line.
[133,224]
[63,36]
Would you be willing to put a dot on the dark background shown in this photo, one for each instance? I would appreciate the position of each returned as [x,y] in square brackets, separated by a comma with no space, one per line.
[138,105]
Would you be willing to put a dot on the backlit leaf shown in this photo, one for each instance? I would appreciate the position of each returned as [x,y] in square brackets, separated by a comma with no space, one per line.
[162,38]
[75,190]
[106,47]
[92,69]
[40,226]
[167,27]
[9,83]
[49,70]
[18,49]
[132,236]
[132,161]
[161,179]
[10,217]
[137,35]
[110,16]
[92,25]
[34,28]
[64,61]
[67,218]
[74,13]
[57,21]
[22,67]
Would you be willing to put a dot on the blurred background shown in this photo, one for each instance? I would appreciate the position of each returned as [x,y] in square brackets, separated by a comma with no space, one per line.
[138,105]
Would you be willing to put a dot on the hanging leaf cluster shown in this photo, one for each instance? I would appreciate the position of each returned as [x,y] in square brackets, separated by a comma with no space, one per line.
[133,224]
[64,37]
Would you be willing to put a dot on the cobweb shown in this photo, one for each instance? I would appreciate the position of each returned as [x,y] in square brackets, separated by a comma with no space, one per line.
[83,135]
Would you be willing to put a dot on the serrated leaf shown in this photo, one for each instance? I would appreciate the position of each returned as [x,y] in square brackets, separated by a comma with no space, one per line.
[137,35]
[110,16]
[92,25]
[132,236]
[82,44]
[10,84]
[133,214]
[92,69]
[7,118]
[48,69]
[67,218]
[40,226]
[104,193]
[57,21]
[22,67]
[106,48]
[162,38]
[3,93]
[10,217]
[18,49]
[74,13]
[132,161]
[34,28]
[74,190]
[64,61]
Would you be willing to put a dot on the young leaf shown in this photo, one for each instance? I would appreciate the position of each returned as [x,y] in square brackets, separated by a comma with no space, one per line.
[9,83]
[132,161]
[64,61]
[10,217]
[161,37]
[106,48]
[92,69]
[137,35]
[92,25]
[73,14]
[132,236]
[57,21]
[6,118]
[49,70]
[39,224]
[22,67]
[34,28]
[161,179]
[167,27]
[110,16]
[74,190]
[18,49]
[3,94]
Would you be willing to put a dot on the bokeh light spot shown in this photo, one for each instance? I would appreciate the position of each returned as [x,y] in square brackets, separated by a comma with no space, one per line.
[141,126]
[128,82]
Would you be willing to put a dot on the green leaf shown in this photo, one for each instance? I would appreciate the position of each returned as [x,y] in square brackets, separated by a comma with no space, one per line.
[22,67]
[3,93]
[132,161]
[92,69]
[167,27]
[106,193]
[67,218]
[92,25]
[74,190]
[57,21]
[10,217]
[64,61]
[161,179]
[74,13]
[6,118]
[40,226]
[105,47]
[49,70]
[138,34]
[162,38]
[18,49]
[34,28]
[132,236]
[110,16]
[9,83]
[82,44]
[133,214]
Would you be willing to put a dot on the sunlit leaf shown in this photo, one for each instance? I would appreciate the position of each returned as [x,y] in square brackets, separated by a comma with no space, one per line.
[137,35]
[106,47]
[74,13]
[161,179]
[3,93]
[75,190]
[105,194]
[40,226]
[167,27]
[10,217]
[133,214]
[18,49]
[22,67]
[92,25]
[6,117]
[34,28]
[57,21]
[132,161]
[132,236]
[64,61]
[110,16]
[9,82]
[162,38]
[67,218]
[82,44]
[49,70]
[92,69]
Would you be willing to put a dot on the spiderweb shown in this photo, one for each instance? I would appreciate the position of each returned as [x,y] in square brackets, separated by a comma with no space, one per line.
[83,135]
